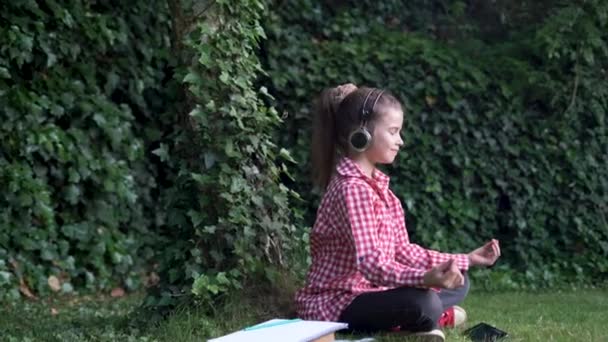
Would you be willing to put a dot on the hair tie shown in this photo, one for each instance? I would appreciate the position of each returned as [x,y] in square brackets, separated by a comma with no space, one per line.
[342,91]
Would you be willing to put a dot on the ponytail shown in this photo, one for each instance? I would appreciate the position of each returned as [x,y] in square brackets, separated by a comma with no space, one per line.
[324,133]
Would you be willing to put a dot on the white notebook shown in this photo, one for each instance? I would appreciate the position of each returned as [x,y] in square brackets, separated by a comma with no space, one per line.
[283,330]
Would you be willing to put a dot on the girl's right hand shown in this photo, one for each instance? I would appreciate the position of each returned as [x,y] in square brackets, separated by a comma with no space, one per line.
[445,275]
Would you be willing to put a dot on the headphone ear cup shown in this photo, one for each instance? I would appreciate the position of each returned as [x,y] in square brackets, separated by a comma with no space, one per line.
[360,139]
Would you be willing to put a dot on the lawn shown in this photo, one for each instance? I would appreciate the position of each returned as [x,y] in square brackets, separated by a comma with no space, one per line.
[540,316]
[548,316]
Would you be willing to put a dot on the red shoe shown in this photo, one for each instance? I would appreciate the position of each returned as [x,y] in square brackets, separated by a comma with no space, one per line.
[453,317]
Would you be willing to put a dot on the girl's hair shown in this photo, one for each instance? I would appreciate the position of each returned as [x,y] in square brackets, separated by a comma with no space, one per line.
[337,114]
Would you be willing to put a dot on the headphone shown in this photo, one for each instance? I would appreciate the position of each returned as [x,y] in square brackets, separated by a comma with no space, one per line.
[360,139]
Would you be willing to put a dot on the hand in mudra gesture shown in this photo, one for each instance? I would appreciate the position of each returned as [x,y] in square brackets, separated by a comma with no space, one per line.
[445,275]
[485,255]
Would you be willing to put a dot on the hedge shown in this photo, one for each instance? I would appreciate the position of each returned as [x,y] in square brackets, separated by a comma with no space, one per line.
[81,95]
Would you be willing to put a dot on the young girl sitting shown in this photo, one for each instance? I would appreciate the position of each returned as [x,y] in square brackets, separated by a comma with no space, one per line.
[365,271]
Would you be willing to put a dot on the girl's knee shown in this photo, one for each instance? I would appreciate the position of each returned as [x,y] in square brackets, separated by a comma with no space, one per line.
[428,303]
[462,291]
[433,307]
[427,309]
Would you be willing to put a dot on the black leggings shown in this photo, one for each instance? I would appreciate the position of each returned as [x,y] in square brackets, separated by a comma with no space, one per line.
[413,309]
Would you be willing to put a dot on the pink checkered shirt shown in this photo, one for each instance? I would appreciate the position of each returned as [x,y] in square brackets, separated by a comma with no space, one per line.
[359,244]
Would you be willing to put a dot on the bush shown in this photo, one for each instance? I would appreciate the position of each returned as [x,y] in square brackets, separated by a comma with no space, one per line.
[79,84]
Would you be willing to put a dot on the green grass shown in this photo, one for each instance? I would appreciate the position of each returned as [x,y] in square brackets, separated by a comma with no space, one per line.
[540,316]
[70,319]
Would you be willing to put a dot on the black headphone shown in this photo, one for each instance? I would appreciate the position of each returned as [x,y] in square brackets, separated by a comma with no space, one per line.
[360,139]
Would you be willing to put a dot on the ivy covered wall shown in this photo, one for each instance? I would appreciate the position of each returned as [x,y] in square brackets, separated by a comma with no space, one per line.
[81,95]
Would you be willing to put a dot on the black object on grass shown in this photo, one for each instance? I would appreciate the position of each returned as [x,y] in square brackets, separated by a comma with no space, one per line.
[484,332]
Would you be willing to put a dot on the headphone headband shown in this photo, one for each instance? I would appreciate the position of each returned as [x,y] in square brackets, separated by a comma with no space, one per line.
[365,113]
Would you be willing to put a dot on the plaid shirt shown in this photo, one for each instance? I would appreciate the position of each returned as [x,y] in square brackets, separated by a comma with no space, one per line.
[359,244]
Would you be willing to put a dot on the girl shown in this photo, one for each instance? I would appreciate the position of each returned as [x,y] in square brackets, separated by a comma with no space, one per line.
[365,271]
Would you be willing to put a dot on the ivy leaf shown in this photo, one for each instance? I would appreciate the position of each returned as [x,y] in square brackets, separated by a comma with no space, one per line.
[287,155]
[4,73]
[210,159]
[192,78]
[224,77]
[162,152]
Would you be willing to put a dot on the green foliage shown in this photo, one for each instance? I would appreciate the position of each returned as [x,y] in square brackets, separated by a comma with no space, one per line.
[75,85]
[503,137]
[229,215]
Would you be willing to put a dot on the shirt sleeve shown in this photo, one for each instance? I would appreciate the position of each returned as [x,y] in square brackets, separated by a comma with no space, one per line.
[416,256]
[373,262]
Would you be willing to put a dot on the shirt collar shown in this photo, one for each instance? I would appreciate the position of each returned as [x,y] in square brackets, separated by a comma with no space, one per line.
[348,168]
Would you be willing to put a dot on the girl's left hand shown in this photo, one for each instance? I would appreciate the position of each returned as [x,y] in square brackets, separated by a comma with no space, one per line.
[485,255]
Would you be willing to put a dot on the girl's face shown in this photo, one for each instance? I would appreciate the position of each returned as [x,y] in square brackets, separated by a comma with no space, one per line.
[386,139]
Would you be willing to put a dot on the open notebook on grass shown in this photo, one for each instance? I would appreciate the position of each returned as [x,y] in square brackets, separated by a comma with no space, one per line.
[285,330]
